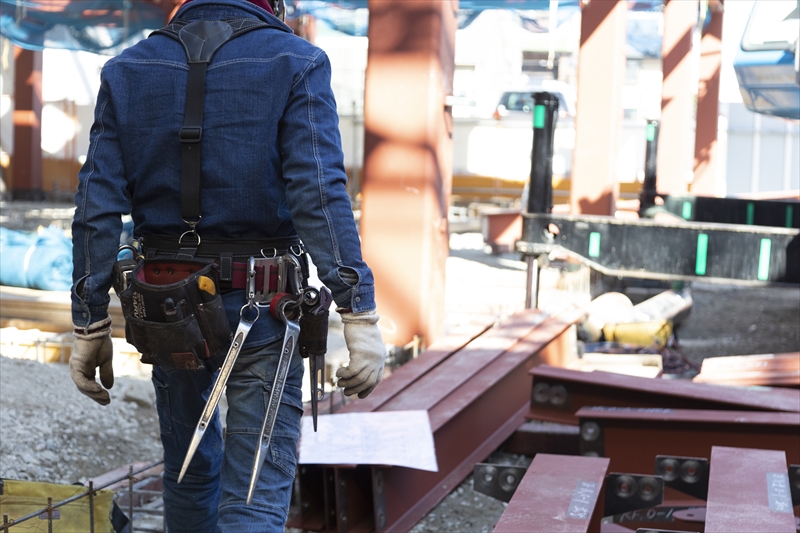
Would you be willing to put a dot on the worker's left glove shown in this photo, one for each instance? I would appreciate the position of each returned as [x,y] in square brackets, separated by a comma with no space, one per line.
[93,348]
[367,354]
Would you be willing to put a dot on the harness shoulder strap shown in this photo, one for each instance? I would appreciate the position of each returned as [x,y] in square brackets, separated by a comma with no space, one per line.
[200,39]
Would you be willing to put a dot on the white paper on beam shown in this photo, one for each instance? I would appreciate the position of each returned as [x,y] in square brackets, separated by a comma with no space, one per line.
[398,438]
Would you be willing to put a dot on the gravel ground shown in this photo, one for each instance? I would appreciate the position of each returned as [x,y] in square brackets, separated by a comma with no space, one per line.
[50,432]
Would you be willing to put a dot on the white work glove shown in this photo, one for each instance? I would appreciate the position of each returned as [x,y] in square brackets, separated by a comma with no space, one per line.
[93,348]
[367,354]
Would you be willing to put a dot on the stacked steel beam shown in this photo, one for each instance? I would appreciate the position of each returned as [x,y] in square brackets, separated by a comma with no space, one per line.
[476,395]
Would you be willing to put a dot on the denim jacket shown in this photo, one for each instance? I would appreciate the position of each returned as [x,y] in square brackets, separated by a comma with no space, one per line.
[272,162]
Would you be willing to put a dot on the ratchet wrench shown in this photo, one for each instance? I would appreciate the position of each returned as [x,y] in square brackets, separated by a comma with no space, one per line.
[285,308]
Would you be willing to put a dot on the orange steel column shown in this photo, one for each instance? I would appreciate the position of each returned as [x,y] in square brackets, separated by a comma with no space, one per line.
[408,162]
[27,119]
[673,167]
[598,124]
[706,152]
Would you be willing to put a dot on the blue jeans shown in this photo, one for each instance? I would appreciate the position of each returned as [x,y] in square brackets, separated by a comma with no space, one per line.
[211,497]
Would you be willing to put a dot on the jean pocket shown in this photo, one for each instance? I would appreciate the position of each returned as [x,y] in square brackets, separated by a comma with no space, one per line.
[162,405]
[283,447]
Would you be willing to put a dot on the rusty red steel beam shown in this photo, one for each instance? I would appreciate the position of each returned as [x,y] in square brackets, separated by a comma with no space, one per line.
[748,492]
[476,400]
[632,437]
[557,393]
[557,493]
[779,369]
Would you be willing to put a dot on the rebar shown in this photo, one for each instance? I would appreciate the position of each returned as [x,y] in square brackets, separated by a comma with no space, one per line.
[8,523]
[49,514]
[130,496]
[91,507]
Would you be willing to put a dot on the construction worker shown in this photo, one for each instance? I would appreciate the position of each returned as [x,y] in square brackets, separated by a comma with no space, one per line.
[272,175]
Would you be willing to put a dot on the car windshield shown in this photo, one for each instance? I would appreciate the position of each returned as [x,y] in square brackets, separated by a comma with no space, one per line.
[523,101]
[773,25]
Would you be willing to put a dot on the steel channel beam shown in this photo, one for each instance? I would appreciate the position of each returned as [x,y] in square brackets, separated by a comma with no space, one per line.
[748,492]
[648,249]
[557,493]
[632,437]
[775,213]
[476,400]
[557,393]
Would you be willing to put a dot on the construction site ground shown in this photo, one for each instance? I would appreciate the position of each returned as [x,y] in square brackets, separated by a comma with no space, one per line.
[52,433]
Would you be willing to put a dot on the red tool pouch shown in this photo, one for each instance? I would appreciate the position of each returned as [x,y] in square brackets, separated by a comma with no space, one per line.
[174,313]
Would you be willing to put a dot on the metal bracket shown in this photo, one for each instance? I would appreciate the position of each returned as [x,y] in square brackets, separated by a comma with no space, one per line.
[497,481]
[794,484]
[630,492]
[686,474]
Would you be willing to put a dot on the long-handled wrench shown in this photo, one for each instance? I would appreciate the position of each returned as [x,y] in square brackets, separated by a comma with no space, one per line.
[242,330]
[278,307]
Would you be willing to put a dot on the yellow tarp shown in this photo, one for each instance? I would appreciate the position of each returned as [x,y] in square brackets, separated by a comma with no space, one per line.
[654,333]
[21,498]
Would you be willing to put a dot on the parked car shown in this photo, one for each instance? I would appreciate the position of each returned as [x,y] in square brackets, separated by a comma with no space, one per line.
[518,104]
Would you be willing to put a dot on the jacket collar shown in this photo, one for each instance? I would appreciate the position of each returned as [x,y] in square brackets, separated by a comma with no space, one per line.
[246,8]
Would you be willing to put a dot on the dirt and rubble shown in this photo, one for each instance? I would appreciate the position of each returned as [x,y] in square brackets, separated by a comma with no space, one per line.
[50,432]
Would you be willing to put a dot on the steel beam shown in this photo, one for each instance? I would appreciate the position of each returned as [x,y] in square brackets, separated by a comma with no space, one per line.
[748,492]
[557,393]
[751,212]
[476,398]
[598,125]
[674,166]
[557,493]
[632,437]
[408,162]
[668,251]
[27,168]
[706,148]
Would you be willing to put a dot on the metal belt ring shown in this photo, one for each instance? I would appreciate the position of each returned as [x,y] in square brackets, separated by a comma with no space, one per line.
[273,256]
[185,233]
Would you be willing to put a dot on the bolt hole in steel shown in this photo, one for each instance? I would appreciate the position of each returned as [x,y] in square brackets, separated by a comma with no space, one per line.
[625,486]
[547,235]
[648,489]
[689,471]
[379,481]
[558,395]
[541,392]
[590,431]
[509,480]
[489,474]
[668,468]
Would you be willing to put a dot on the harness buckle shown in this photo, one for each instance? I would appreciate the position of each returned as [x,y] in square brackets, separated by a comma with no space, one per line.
[190,134]
[193,231]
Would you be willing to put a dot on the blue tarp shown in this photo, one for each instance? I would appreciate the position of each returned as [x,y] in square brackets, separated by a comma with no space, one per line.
[107,26]
[36,260]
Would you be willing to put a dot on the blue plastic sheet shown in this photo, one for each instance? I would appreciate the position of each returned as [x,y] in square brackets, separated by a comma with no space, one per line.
[36,260]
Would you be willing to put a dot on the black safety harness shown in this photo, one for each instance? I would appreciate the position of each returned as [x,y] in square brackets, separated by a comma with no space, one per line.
[201,39]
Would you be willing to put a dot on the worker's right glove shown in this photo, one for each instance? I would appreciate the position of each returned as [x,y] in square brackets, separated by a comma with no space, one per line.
[93,348]
[367,354]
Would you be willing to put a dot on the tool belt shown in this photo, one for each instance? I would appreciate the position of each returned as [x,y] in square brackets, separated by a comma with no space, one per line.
[231,256]
[174,313]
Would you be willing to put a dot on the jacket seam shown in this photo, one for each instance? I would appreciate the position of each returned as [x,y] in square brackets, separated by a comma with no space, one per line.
[320,185]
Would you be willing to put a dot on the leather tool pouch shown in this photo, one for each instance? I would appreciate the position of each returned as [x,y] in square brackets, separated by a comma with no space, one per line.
[174,313]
